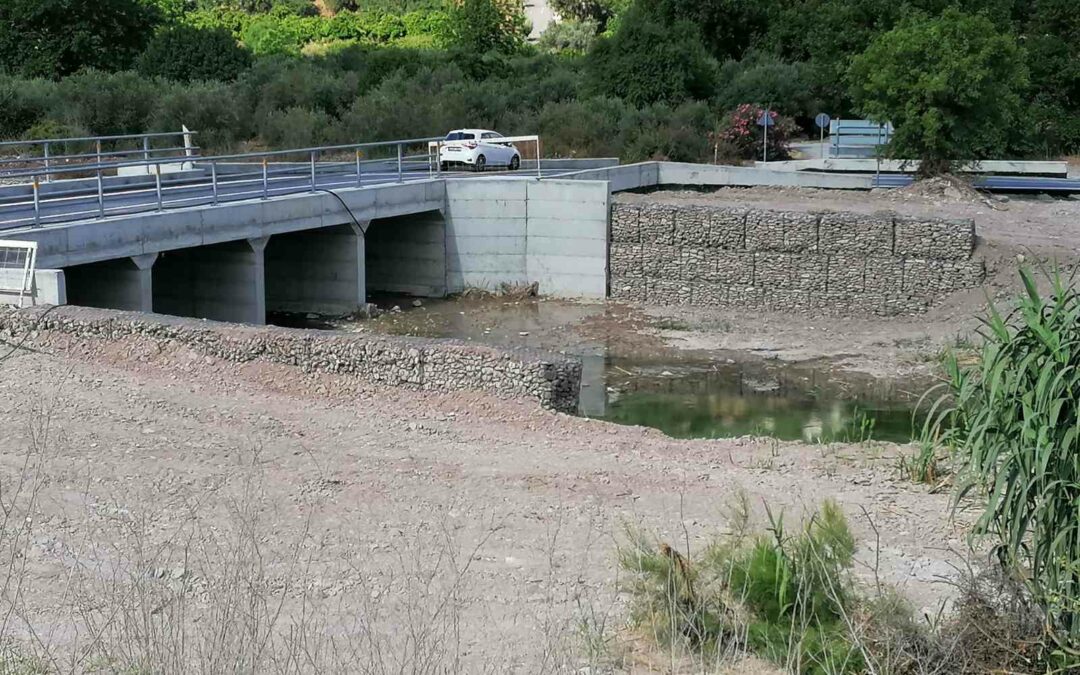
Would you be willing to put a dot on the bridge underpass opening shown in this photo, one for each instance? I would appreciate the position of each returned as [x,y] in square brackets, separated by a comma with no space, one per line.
[224,282]
[125,283]
[406,255]
[319,271]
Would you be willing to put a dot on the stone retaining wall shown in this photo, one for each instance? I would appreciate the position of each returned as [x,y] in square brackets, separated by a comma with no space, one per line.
[438,365]
[835,263]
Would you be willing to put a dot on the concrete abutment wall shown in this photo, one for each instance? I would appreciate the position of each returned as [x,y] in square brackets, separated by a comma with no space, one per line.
[224,282]
[319,270]
[407,255]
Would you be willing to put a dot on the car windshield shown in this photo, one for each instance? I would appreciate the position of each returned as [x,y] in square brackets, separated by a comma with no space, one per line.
[459,136]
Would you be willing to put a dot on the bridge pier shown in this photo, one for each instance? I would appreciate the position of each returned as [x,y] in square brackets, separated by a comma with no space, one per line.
[124,283]
[319,271]
[224,282]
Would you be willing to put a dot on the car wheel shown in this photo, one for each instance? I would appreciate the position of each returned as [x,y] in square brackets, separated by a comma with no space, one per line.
[515,163]
[444,166]
[481,162]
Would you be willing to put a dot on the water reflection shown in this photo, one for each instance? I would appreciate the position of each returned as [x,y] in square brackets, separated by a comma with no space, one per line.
[784,402]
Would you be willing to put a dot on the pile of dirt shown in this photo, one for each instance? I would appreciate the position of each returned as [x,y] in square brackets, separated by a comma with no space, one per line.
[953,189]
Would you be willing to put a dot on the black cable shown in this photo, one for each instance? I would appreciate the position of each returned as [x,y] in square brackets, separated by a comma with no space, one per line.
[346,206]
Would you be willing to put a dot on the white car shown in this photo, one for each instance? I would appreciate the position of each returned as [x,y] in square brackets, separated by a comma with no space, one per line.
[479,149]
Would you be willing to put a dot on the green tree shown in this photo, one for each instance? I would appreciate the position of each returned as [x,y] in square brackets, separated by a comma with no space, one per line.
[598,11]
[950,85]
[1053,46]
[481,26]
[647,62]
[185,53]
[728,27]
[52,38]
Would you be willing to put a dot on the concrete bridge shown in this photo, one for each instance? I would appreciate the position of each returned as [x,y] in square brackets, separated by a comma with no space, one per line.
[207,239]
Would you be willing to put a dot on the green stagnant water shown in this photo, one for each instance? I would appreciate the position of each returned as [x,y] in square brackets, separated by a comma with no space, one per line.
[737,401]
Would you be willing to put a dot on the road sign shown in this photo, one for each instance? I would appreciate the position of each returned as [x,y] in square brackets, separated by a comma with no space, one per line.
[766,120]
[822,120]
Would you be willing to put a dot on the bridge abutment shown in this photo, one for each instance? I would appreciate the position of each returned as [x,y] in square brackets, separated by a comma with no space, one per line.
[124,283]
[224,282]
[319,271]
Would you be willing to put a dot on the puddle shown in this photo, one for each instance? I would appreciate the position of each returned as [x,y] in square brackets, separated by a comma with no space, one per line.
[789,402]
[684,395]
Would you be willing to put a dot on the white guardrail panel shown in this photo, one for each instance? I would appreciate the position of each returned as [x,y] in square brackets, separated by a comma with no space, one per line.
[18,260]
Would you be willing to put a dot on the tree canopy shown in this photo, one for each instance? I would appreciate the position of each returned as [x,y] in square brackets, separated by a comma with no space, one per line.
[951,85]
[52,38]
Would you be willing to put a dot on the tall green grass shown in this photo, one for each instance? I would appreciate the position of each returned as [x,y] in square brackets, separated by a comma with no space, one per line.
[1011,422]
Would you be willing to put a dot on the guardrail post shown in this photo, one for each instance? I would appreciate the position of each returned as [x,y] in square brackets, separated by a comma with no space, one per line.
[157,183]
[400,178]
[37,203]
[539,172]
[100,195]
[146,148]
[48,175]
[313,170]
[266,180]
[97,154]
[358,154]
[213,181]
[438,158]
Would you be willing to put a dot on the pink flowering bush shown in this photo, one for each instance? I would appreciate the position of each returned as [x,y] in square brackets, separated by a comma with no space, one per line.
[739,136]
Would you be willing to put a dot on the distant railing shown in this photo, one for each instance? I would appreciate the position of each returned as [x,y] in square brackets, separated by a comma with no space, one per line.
[109,185]
[46,155]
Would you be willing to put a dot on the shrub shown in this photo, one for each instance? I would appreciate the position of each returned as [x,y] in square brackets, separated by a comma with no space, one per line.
[213,109]
[590,128]
[52,38]
[23,103]
[279,35]
[670,134]
[789,595]
[107,103]
[481,26]
[645,62]
[951,85]
[297,128]
[1015,431]
[570,36]
[764,80]
[184,53]
[740,137]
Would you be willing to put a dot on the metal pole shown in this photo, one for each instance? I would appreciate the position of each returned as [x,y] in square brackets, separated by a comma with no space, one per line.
[100,195]
[157,183]
[146,149]
[821,145]
[48,176]
[358,153]
[37,203]
[266,187]
[539,172]
[765,141]
[313,171]
[97,158]
[399,176]
[213,181]
[438,158]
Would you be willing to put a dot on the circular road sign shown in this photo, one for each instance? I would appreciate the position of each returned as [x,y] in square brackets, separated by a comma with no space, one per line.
[822,120]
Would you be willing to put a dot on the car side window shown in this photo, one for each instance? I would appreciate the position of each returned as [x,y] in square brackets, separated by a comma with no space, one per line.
[490,135]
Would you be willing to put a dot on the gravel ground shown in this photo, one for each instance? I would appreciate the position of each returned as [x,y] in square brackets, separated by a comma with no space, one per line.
[152,448]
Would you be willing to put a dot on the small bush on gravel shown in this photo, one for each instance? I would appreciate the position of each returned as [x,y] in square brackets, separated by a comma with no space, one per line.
[786,597]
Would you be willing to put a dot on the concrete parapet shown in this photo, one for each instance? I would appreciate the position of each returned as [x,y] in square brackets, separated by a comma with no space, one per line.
[436,365]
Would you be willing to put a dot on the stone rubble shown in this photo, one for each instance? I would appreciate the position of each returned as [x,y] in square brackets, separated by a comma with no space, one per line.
[416,363]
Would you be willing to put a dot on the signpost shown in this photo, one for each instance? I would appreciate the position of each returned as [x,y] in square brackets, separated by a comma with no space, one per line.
[765,121]
[822,120]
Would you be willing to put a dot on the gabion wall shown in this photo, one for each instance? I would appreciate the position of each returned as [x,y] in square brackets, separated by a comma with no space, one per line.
[439,365]
[834,263]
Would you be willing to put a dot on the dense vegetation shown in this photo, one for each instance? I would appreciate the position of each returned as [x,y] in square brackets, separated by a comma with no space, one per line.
[960,78]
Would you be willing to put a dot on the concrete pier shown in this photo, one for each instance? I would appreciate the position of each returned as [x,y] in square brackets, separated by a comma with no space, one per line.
[224,282]
[319,270]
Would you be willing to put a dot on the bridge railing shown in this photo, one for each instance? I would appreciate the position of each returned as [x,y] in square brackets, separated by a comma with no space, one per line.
[112,185]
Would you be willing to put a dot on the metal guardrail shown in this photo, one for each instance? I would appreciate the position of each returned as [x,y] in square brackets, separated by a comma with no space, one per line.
[40,154]
[321,168]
